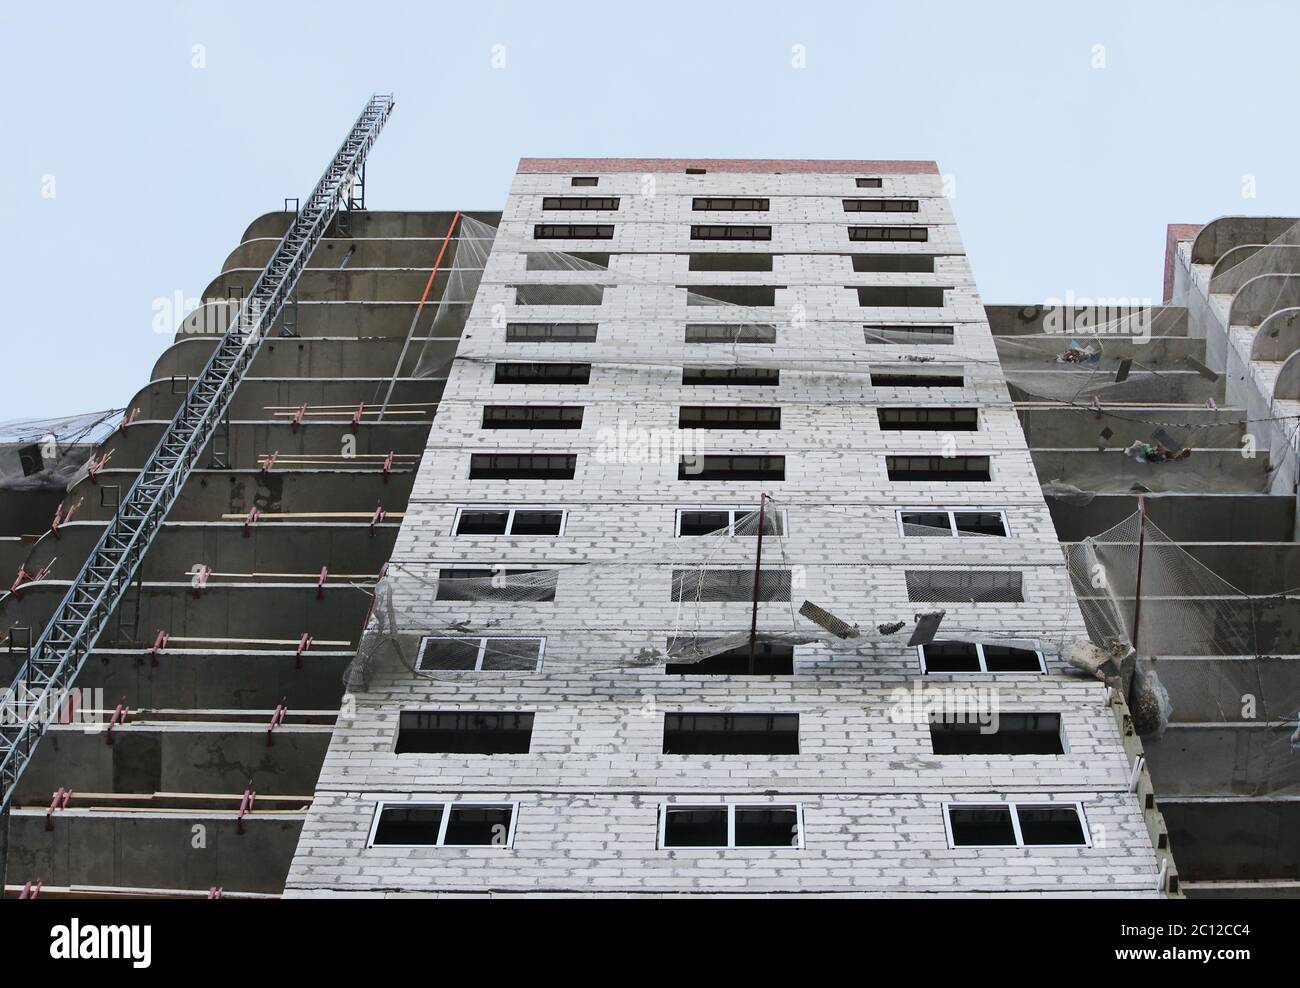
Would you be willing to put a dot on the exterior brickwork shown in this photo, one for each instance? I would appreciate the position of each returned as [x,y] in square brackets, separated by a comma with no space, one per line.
[590,791]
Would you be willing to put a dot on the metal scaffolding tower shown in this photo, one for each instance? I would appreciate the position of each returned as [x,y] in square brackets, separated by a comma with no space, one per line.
[55,658]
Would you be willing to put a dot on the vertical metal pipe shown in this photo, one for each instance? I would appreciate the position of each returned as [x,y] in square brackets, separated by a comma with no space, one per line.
[758,564]
[1142,541]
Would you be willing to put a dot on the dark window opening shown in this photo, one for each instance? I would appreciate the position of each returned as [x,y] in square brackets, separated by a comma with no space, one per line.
[721,585]
[551,332]
[482,522]
[873,233]
[1015,734]
[537,523]
[559,294]
[697,171]
[580,202]
[926,523]
[770,659]
[546,261]
[928,419]
[732,376]
[729,231]
[909,334]
[698,826]
[946,586]
[730,294]
[730,261]
[938,468]
[894,379]
[532,417]
[484,654]
[894,263]
[748,204]
[728,417]
[713,467]
[499,584]
[767,826]
[729,521]
[981,826]
[573,231]
[696,523]
[874,296]
[478,826]
[522,466]
[1046,824]
[731,734]
[730,332]
[980,523]
[516,521]
[409,825]
[543,373]
[1004,658]
[868,183]
[951,657]
[584,180]
[477,732]
[881,205]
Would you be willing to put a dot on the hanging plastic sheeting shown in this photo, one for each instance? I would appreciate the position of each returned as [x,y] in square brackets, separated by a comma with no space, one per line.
[1217,667]
[46,454]
[740,335]
[1088,359]
[472,245]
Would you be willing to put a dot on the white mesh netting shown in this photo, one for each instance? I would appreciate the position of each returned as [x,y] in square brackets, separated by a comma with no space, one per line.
[1209,654]
[47,454]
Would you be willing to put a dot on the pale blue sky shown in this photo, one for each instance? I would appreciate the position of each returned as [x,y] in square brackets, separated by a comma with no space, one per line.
[1066,174]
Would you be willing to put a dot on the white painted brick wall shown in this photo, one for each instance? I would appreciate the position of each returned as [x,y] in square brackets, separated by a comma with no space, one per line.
[590,790]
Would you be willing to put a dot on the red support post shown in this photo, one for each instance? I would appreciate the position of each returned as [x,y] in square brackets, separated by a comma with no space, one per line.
[250,519]
[159,643]
[245,805]
[356,416]
[119,717]
[388,466]
[277,718]
[30,891]
[376,518]
[59,801]
[268,461]
[298,416]
[320,583]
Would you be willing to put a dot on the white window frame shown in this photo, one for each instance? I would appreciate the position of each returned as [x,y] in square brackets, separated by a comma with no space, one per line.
[1014,808]
[446,805]
[510,522]
[732,514]
[983,670]
[482,651]
[731,826]
[952,520]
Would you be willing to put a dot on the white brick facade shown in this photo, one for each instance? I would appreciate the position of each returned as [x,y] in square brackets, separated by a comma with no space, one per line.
[590,789]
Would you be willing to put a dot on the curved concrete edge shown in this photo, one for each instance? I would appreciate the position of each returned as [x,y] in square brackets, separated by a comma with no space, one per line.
[1261,296]
[1288,379]
[1278,335]
[1223,233]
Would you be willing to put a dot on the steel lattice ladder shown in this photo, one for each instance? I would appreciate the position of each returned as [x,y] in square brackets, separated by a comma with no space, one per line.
[56,657]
